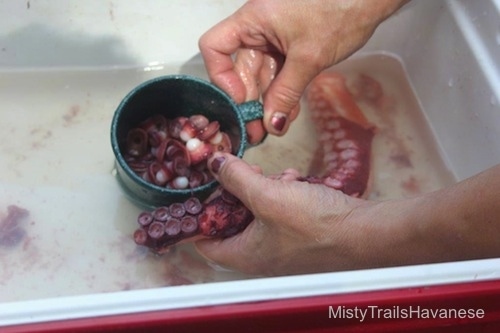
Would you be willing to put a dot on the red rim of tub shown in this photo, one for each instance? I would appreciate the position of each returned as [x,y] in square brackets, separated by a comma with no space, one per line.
[310,314]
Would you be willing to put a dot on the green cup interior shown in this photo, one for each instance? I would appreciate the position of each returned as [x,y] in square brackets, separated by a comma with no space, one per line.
[172,96]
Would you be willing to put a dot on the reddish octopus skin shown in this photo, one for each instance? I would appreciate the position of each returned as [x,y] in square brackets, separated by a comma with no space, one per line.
[222,216]
[345,135]
[172,153]
[345,138]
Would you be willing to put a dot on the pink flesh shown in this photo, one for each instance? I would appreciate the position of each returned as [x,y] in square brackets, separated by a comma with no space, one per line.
[345,139]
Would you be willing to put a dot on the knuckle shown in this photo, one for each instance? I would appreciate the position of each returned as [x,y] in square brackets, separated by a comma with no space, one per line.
[287,96]
[314,58]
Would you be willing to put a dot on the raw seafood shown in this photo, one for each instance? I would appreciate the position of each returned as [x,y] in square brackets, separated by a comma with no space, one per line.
[173,152]
[345,138]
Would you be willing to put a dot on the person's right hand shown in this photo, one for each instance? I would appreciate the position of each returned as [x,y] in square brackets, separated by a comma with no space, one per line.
[298,227]
[281,45]
[306,228]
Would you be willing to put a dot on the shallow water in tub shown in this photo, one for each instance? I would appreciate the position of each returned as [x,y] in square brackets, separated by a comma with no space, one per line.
[56,162]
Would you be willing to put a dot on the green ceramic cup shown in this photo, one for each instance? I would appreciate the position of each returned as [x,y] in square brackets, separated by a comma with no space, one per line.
[173,96]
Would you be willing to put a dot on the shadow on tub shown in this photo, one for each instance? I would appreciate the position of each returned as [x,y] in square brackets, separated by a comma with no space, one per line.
[39,45]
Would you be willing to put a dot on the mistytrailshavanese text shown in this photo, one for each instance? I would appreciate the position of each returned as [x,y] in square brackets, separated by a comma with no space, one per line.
[399,312]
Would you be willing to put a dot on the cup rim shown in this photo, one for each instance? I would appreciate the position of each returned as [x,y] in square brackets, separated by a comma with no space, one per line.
[119,155]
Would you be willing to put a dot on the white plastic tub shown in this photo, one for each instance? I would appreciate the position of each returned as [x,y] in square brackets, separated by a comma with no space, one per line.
[64,67]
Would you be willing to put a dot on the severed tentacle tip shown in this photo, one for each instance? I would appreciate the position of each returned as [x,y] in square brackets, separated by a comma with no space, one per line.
[222,216]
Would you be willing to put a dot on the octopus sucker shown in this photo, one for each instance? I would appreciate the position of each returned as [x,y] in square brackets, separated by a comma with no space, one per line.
[347,156]
[344,153]
[172,153]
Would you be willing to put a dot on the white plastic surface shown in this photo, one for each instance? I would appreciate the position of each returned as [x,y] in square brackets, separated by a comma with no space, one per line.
[246,291]
[451,50]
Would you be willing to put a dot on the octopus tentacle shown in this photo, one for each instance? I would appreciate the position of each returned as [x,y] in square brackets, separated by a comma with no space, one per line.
[345,139]
[222,216]
[345,135]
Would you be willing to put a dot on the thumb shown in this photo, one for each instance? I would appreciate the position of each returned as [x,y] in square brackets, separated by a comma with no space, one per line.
[285,91]
[237,177]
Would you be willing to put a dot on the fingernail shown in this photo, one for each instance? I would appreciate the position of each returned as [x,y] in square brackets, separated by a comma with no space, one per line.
[278,121]
[217,163]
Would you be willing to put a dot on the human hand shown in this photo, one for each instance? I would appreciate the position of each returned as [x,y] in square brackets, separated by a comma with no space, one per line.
[299,227]
[281,46]
[305,228]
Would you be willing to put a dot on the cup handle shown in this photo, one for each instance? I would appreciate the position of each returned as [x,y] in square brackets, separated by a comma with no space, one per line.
[252,110]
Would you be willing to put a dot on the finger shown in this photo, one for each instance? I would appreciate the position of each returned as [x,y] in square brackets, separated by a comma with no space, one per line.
[233,252]
[217,46]
[248,65]
[213,250]
[294,113]
[257,168]
[220,251]
[281,101]
[255,131]
[238,177]
[287,174]
[290,174]
[272,64]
